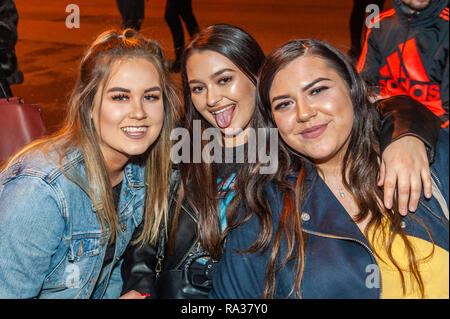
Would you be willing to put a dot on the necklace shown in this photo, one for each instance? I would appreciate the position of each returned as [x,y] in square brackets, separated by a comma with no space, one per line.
[341,192]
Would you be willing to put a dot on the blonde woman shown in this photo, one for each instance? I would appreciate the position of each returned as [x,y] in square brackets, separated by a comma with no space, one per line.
[70,203]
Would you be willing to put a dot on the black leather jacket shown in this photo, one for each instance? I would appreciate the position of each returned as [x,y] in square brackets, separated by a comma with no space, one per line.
[401,116]
[180,277]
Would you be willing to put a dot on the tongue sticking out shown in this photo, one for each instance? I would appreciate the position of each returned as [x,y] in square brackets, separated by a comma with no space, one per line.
[223,119]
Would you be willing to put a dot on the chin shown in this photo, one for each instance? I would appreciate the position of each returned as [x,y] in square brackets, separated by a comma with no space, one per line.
[318,156]
[135,151]
[231,131]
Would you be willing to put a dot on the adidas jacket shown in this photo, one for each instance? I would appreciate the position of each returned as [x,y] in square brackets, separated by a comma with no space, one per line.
[408,54]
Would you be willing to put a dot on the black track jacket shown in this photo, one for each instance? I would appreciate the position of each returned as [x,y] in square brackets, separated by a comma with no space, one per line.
[407,54]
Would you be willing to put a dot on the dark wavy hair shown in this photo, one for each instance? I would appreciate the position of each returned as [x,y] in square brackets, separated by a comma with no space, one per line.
[360,170]
[199,180]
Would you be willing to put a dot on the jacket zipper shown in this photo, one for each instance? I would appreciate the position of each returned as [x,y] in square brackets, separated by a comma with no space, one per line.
[445,222]
[436,178]
[354,240]
[438,184]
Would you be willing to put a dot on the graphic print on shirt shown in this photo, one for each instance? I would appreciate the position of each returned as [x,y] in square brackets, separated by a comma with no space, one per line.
[225,192]
[404,73]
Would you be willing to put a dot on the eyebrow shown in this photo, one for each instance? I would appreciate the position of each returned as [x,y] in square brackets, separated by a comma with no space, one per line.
[119,89]
[305,88]
[220,72]
[213,75]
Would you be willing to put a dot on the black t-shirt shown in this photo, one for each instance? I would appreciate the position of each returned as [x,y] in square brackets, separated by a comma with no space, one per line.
[232,159]
[109,255]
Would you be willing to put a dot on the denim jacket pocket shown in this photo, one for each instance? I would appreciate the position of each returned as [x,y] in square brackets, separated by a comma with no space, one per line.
[82,247]
[78,267]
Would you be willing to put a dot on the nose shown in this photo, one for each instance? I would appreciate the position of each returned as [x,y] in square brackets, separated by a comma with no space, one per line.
[213,96]
[137,110]
[305,111]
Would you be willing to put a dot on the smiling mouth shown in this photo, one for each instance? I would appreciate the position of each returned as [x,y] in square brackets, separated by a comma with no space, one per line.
[135,131]
[314,131]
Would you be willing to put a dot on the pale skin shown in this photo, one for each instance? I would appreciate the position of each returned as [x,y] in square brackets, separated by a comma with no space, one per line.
[129,119]
[314,115]
[216,83]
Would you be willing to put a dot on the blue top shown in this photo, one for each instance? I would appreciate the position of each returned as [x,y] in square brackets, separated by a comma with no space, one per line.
[51,241]
[338,257]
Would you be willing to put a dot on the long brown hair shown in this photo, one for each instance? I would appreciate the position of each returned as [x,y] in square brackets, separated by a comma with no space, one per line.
[359,173]
[78,131]
[199,180]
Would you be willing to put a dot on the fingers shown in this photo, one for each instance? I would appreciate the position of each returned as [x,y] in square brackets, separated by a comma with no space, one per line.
[133,294]
[415,191]
[426,181]
[390,182]
[382,173]
[403,194]
[404,166]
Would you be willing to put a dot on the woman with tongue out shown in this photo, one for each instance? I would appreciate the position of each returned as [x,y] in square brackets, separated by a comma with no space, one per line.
[219,76]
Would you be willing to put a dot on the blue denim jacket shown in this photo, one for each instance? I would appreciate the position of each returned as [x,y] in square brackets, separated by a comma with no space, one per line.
[337,253]
[51,241]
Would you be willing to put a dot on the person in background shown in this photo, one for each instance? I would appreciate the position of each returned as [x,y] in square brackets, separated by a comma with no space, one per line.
[409,54]
[132,13]
[70,202]
[174,12]
[9,71]
[219,76]
[318,227]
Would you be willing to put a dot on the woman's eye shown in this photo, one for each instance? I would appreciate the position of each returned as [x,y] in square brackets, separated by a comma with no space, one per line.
[151,97]
[282,105]
[196,89]
[317,90]
[225,80]
[120,97]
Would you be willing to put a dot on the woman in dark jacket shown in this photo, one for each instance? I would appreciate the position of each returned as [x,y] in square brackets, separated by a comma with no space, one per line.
[219,75]
[319,228]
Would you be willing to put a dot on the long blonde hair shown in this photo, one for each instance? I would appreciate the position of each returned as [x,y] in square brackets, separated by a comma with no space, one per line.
[78,131]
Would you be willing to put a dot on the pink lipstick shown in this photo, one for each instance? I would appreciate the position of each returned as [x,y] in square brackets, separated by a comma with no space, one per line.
[314,131]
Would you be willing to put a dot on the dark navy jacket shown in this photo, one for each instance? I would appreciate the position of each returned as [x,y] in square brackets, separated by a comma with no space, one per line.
[337,255]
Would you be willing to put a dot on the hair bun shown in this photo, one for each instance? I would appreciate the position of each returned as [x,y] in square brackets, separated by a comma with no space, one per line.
[129,33]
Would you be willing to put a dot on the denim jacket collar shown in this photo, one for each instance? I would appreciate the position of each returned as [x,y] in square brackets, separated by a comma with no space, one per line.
[133,176]
[133,179]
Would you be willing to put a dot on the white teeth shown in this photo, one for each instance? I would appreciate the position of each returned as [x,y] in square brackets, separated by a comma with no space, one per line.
[227,108]
[134,129]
